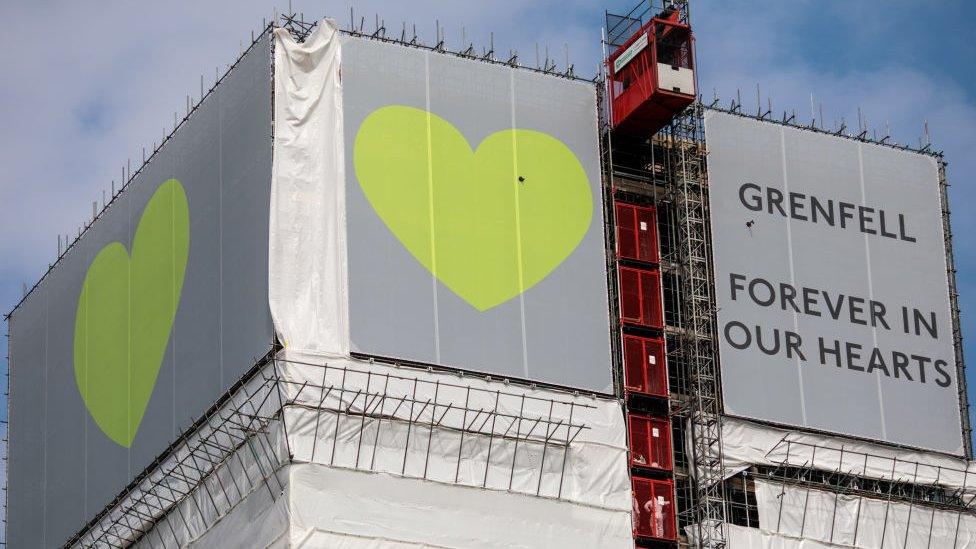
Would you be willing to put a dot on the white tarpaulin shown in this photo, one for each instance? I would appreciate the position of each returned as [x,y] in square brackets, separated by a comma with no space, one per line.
[341,508]
[847,520]
[307,264]
[747,443]
[328,507]
[243,503]
[464,431]
[742,537]
[401,457]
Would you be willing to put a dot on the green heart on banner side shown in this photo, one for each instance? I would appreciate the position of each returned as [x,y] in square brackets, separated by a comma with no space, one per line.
[489,223]
[125,314]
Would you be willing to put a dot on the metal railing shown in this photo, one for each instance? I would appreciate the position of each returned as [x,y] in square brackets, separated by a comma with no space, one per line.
[858,479]
[243,441]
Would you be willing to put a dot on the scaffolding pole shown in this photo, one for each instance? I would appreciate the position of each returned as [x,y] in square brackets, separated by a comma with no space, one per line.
[689,187]
[842,475]
[967,431]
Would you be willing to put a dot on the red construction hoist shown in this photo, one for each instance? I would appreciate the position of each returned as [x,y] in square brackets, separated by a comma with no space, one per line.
[645,369]
[650,442]
[645,372]
[640,297]
[654,514]
[636,232]
[652,76]
[651,79]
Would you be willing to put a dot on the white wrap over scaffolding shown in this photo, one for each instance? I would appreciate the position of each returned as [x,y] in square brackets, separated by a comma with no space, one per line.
[745,443]
[852,520]
[314,451]
[816,491]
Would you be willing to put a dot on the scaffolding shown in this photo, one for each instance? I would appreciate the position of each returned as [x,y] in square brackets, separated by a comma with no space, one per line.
[898,490]
[236,432]
[668,170]
[243,442]
[620,27]
[689,186]
[372,400]
[300,28]
[967,430]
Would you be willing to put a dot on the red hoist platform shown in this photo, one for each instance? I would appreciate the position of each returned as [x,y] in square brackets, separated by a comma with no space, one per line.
[652,76]
[653,513]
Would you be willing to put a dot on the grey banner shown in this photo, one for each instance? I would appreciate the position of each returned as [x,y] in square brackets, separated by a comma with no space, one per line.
[554,326]
[64,468]
[830,273]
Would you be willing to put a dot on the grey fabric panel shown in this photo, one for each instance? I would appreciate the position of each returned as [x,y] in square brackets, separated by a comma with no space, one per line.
[63,469]
[813,391]
[558,330]
[25,461]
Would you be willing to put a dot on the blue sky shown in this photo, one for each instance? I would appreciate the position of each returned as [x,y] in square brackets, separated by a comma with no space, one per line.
[86,89]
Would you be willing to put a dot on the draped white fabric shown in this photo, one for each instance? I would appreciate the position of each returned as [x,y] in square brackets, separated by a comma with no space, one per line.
[307,279]
[845,520]
[746,443]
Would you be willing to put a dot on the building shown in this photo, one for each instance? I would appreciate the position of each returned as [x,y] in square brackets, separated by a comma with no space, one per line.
[374,293]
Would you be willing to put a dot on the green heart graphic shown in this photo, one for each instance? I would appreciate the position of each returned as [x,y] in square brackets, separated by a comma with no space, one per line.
[125,314]
[489,223]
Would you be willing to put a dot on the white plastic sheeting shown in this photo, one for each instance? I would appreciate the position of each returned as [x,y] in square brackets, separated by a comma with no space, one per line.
[349,509]
[592,471]
[747,443]
[367,471]
[842,520]
[307,264]
[243,503]
[233,453]
[742,537]
[328,507]
[258,521]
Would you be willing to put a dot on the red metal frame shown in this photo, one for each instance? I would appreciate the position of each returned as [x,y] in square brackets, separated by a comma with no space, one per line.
[645,366]
[638,104]
[653,514]
[640,297]
[636,232]
[650,441]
